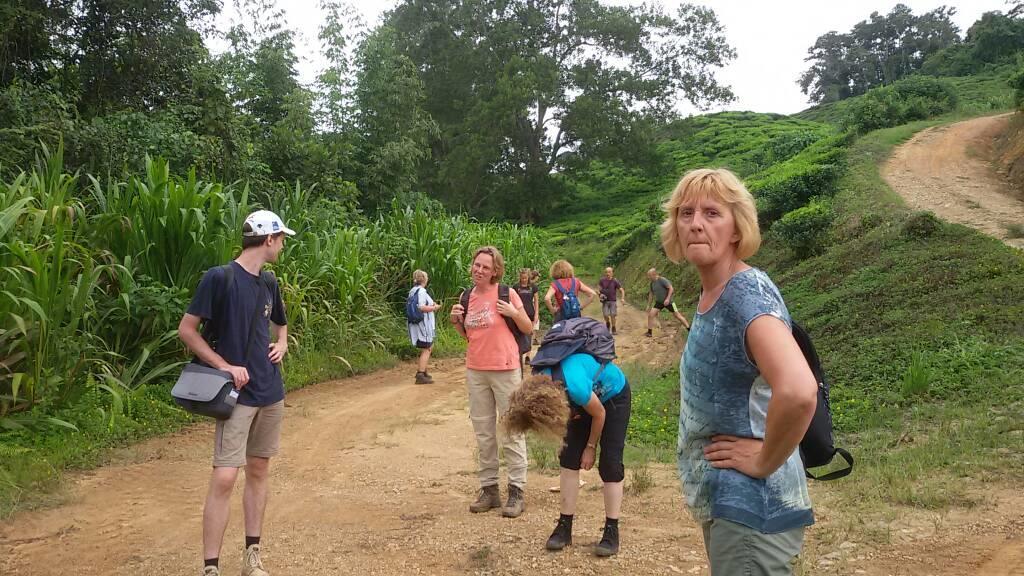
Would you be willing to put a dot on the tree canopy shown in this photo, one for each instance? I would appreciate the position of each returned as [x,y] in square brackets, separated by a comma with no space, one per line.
[875,52]
[485,105]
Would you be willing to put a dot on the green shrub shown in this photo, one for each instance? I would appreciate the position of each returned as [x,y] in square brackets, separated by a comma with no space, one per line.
[805,230]
[1017,83]
[622,248]
[921,225]
[914,98]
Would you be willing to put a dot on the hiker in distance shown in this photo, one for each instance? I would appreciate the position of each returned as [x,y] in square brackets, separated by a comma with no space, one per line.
[421,333]
[493,371]
[748,394]
[535,282]
[527,291]
[563,296]
[600,400]
[611,290]
[244,333]
[660,298]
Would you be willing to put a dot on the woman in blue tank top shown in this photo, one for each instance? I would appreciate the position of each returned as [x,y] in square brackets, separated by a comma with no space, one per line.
[746,393]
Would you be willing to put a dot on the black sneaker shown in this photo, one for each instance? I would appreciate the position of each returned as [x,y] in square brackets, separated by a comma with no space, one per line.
[562,536]
[609,544]
[424,378]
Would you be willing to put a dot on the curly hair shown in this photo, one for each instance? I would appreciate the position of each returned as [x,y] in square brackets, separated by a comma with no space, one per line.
[540,405]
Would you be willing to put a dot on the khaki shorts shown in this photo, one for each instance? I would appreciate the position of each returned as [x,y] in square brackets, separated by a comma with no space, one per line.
[610,308]
[250,431]
[737,549]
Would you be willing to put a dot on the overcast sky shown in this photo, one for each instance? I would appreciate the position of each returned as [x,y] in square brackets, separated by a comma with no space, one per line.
[771,39]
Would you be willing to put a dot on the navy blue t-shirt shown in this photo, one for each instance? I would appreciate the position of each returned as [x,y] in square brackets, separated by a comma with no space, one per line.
[231,324]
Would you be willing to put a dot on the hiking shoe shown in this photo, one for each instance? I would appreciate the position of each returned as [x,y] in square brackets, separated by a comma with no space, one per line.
[609,544]
[516,502]
[211,571]
[424,378]
[251,563]
[562,535]
[486,500]
[649,335]
[614,332]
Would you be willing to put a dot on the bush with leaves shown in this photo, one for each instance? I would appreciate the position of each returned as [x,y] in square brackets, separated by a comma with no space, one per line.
[1017,83]
[914,98]
[805,230]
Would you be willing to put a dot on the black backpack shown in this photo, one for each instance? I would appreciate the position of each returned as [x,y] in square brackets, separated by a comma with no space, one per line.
[576,335]
[523,341]
[817,447]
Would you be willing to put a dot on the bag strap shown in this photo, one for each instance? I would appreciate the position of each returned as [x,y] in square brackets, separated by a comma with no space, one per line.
[504,296]
[211,329]
[256,318]
[558,287]
[837,473]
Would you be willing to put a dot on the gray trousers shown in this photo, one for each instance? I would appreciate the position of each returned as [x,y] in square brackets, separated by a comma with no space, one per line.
[737,550]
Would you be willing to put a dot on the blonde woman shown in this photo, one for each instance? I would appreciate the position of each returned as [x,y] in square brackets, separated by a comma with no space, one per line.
[493,371]
[746,393]
[422,333]
[565,284]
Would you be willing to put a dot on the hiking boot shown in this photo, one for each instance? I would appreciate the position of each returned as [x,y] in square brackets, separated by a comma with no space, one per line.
[516,502]
[562,535]
[211,571]
[609,544]
[486,500]
[649,335]
[615,331]
[251,563]
[424,378]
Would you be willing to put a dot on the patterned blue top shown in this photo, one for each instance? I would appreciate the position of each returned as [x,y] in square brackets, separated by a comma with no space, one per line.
[722,392]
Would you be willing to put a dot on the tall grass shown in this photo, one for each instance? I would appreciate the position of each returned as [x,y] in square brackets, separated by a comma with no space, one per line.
[94,277]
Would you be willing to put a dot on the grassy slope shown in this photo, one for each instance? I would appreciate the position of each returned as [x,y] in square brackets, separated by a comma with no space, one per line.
[612,202]
[878,301]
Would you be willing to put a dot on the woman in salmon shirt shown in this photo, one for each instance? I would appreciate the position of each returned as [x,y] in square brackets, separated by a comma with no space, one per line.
[493,371]
[563,274]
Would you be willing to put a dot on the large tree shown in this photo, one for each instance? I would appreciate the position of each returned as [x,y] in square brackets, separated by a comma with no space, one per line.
[138,54]
[523,88]
[876,52]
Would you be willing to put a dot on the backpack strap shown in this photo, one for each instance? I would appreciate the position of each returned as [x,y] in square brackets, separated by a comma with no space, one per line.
[464,301]
[558,287]
[211,328]
[503,295]
[837,473]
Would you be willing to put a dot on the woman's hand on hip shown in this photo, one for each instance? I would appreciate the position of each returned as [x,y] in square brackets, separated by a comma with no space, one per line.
[740,454]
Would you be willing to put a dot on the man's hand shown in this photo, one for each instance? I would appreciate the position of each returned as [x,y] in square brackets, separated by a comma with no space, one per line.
[239,374]
[740,454]
[277,351]
[667,300]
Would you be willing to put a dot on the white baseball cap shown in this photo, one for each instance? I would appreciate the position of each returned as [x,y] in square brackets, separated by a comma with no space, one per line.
[265,222]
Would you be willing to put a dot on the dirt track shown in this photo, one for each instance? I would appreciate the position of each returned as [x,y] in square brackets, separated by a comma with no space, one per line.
[945,169]
[375,476]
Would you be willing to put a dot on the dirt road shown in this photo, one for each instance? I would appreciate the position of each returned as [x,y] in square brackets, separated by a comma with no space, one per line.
[375,476]
[945,169]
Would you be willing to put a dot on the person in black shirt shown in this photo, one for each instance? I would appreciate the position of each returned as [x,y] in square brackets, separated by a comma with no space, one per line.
[227,302]
[531,301]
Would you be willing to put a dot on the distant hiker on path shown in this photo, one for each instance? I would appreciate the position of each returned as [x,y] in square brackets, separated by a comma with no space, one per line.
[527,291]
[660,298]
[563,296]
[611,291]
[421,333]
[600,399]
[240,308]
[535,282]
[747,393]
[493,371]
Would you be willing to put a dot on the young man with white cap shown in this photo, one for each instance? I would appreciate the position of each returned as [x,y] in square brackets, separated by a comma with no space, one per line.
[239,306]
